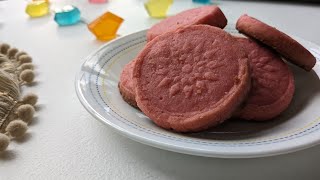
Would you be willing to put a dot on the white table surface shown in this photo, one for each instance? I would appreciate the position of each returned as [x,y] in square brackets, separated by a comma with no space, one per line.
[66,142]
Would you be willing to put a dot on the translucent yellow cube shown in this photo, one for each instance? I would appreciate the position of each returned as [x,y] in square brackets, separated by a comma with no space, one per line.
[158,8]
[106,26]
[42,0]
[37,8]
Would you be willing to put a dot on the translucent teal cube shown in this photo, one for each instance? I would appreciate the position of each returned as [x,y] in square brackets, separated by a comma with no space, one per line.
[68,15]
[202,1]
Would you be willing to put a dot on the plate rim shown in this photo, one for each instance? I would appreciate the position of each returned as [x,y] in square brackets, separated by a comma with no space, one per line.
[168,146]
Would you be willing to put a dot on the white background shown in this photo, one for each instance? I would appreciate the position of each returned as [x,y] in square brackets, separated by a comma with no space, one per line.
[65,142]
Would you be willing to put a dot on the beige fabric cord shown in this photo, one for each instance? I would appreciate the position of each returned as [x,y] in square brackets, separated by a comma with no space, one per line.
[9,84]
[16,112]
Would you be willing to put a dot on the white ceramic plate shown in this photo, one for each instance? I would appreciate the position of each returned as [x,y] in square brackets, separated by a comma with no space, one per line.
[295,129]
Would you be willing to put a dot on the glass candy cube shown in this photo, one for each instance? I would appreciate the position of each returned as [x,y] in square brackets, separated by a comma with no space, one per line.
[106,26]
[98,1]
[68,15]
[42,0]
[158,8]
[202,1]
[37,8]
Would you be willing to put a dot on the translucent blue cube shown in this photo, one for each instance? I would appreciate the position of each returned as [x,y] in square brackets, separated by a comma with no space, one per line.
[68,15]
[202,1]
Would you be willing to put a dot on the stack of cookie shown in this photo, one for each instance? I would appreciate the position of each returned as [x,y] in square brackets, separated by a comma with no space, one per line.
[193,75]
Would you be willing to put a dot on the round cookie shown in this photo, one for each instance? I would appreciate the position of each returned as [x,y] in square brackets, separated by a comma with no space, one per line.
[272,85]
[278,40]
[191,79]
[126,86]
[211,15]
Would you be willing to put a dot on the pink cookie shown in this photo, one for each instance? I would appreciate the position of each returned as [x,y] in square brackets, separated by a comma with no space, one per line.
[126,86]
[278,40]
[192,78]
[272,83]
[211,15]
